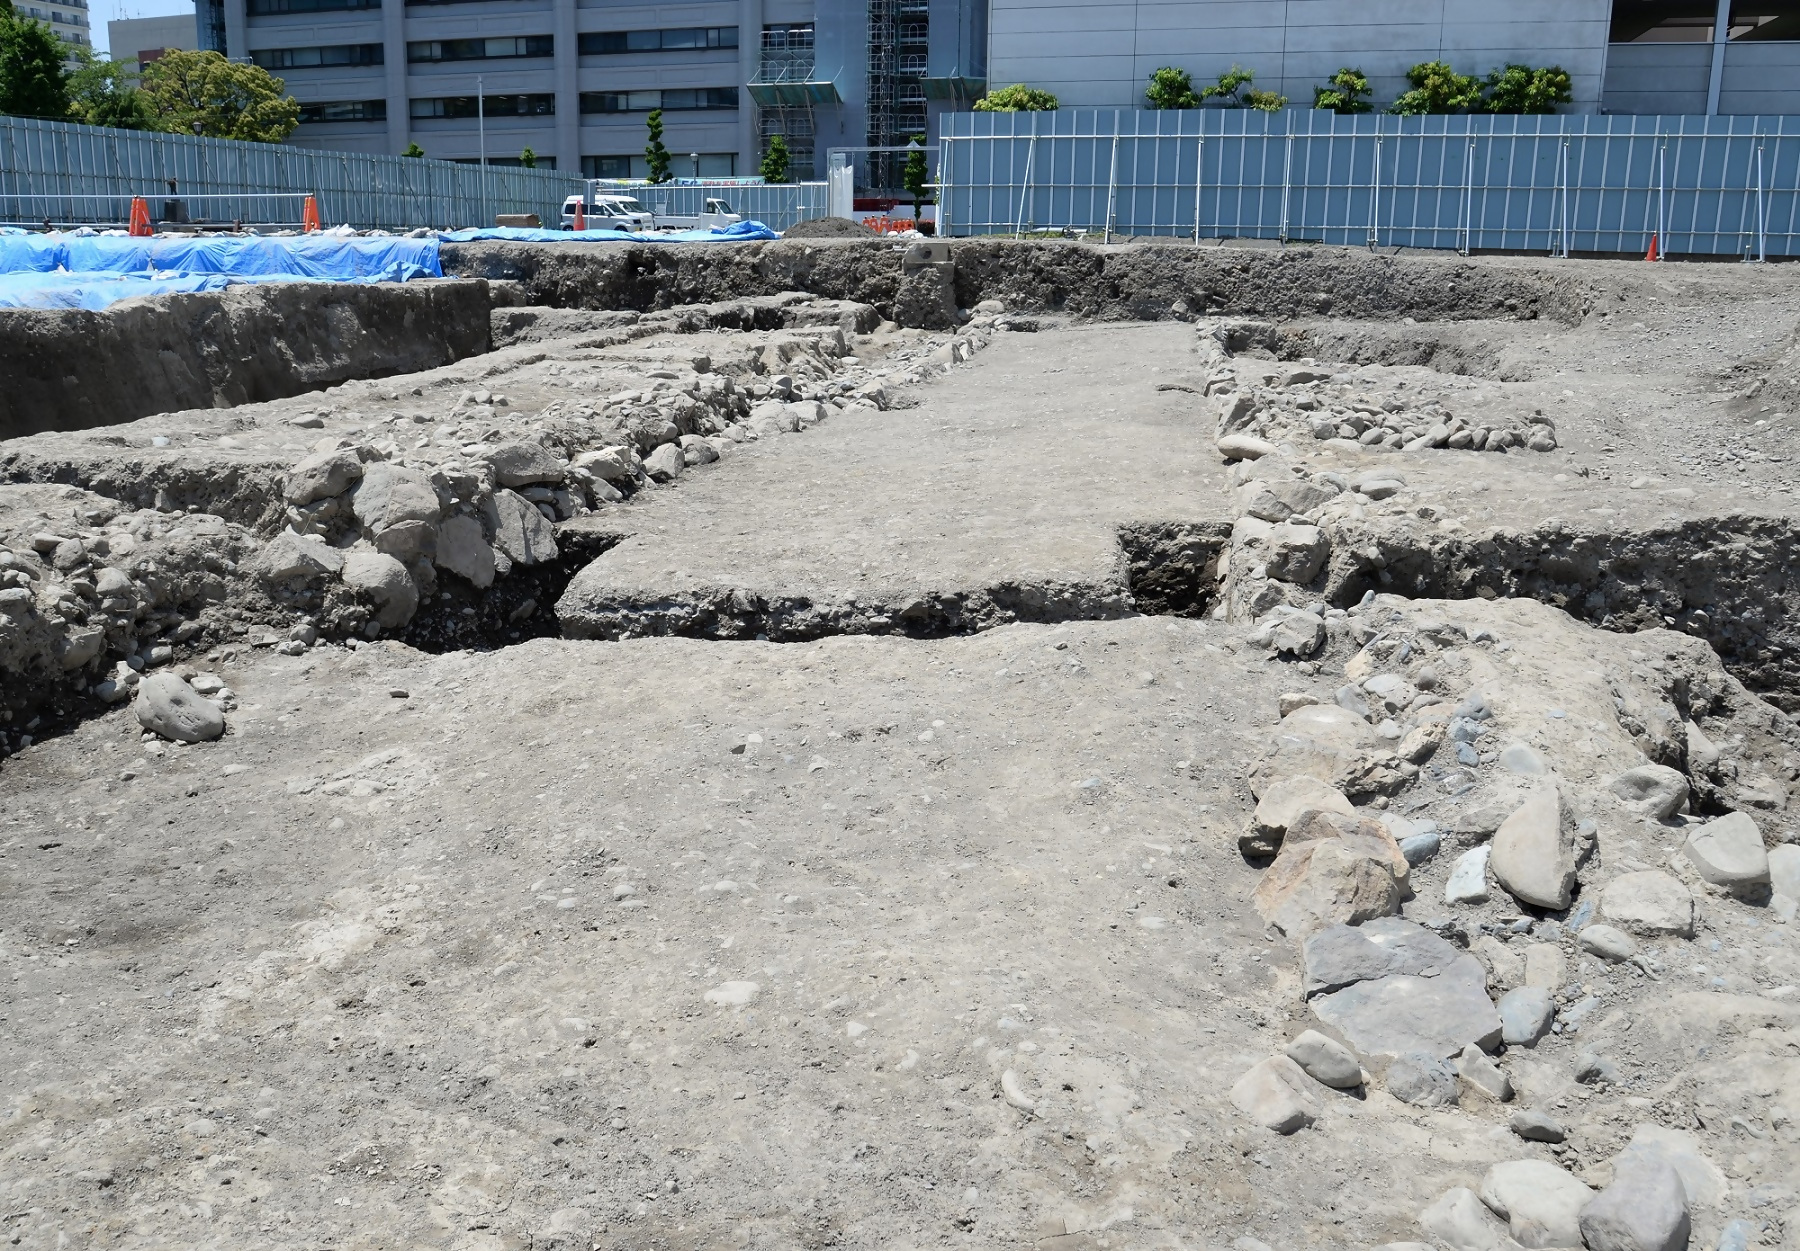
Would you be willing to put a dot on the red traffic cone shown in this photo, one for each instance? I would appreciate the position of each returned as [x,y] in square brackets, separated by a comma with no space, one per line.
[1651,254]
[309,214]
[140,218]
[580,215]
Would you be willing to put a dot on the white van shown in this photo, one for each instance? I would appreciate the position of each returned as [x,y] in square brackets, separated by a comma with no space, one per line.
[608,212]
[717,216]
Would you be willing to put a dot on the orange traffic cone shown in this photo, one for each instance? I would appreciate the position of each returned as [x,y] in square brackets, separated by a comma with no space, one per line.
[580,216]
[309,214]
[140,218]
[1651,254]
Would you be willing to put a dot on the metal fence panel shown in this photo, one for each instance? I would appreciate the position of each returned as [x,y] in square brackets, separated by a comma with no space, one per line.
[1703,185]
[775,205]
[73,175]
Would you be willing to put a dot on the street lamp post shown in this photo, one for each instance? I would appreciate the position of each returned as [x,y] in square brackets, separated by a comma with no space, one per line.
[695,158]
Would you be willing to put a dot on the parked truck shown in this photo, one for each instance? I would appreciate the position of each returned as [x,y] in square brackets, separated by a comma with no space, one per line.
[716,216]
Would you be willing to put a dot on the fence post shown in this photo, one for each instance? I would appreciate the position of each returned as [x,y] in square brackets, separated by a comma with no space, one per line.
[1761,223]
[1287,174]
[1112,181]
[1662,221]
[1466,210]
[1199,177]
[1375,194]
[1025,192]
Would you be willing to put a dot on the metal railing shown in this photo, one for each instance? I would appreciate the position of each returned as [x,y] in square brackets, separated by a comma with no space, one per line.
[80,175]
[1702,185]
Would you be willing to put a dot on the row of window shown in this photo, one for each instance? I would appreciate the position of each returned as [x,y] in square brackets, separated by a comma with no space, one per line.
[683,39]
[480,49]
[597,43]
[537,104]
[316,58]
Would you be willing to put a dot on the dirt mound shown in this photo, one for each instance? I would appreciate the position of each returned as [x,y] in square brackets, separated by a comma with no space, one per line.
[828,228]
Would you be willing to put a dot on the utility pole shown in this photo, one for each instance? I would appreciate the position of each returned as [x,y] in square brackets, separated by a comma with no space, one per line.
[481,133]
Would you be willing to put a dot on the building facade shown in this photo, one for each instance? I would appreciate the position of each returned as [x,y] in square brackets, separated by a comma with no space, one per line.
[141,40]
[575,80]
[1623,56]
[68,18]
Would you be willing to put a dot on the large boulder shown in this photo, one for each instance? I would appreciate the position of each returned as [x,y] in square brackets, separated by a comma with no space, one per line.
[1332,869]
[385,582]
[1343,955]
[323,474]
[1401,990]
[1729,852]
[389,495]
[1644,1209]
[169,707]
[462,549]
[1540,1202]
[1533,855]
[1275,1094]
[1656,791]
[1649,902]
[289,557]
[1331,744]
[525,463]
[519,530]
[1284,802]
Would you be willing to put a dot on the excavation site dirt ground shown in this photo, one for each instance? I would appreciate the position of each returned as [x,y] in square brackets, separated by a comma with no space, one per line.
[991,745]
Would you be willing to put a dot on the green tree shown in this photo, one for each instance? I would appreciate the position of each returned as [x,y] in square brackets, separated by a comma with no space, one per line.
[914,177]
[528,159]
[1436,88]
[1347,91]
[655,155]
[1229,90]
[1265,101]
[1521,89]
[413,150]
[202,93]
[105,93]
[1172,88]
[775,160]
[33,82]
[1017,98]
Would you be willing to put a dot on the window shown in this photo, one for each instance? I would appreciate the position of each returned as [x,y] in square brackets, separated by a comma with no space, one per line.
[682,99]
[1691,21]
[480,49]
[1766,19]
[494,106]
[270,8]
[314,58]
[343,111]
[712,165]
[505,162]
[612,42]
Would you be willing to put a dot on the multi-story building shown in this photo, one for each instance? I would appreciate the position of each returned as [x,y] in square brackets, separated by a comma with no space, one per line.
[144,39]
[575,80]
[1624,56]
[68,18]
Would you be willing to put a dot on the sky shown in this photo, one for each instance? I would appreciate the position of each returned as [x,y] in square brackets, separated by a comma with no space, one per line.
[100,12]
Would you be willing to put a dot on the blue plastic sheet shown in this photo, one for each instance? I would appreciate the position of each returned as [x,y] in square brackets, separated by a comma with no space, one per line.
[95,291]
[739,233]
[303,256]
[28,250]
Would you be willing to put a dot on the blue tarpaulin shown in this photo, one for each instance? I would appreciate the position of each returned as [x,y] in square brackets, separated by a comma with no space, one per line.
[740,233]
[303,256]
[96,291]
[26,250]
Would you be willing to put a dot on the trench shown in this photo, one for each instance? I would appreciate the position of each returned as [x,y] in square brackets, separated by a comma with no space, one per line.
[1365,345]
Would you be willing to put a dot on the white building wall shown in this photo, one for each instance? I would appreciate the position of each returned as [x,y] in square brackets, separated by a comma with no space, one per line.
[1102,55]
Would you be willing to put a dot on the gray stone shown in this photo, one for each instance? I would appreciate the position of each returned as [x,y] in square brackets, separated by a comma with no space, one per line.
[1654,790]
[1439,1011]
[1276,502]
[1281,804]
[1649,902]
[1518,758]
[406,541]
[1592,1068]
[1462,1222]
[1704,1183]
[1290,632]
[1419,848]
[1702,755]
[323,474]
[287,558]
[1332,869]
[518,529]
[1644,1209]
[1525,1015]
[1344,955]
[169,707]
[1274,1094]
[1533,857]
[1540,1202]
[1535,1126]
[1480,1073]
[1607,943]
[1729,852]
[1350,698]
[696,450]
[384,581]
[1326,1060]
[665,464]
[1468,878]
[1296,553]
[1784,870]
[391,494]
[1244,447]
[1422,1080]
[524,463]
[1329,743]
[462,549]
[611,464]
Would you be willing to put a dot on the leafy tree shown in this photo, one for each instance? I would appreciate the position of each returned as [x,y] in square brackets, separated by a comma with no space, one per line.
[105,93]
[33,82]
[1265,101]
[655,155]
[775,160]
[1172,88]
[413,150]
[1017,98]
[914,177]
[202,93]
[1346,91]
[1436,88]
[1521,89]
[528,159]
[1229,90]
